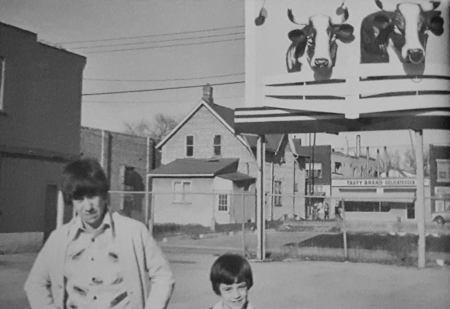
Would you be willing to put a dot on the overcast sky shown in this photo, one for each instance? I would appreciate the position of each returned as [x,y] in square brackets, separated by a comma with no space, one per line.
[153,44]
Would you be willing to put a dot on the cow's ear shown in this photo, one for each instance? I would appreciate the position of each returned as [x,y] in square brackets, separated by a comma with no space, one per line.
[436,23]
[379,4]
[344,33]
[297,36]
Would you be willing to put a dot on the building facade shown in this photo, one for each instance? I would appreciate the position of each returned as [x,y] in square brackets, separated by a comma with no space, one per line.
[207,132]
[40,111]
[126,159]
[440,182]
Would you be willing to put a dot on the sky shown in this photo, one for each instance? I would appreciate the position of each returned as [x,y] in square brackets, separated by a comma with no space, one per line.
[204,38]
[137,46]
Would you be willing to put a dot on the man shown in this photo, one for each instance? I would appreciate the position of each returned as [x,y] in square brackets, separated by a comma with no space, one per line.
[98,260]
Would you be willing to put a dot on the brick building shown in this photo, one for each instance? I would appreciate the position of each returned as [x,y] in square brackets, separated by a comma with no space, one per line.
[126,159]
[40,111]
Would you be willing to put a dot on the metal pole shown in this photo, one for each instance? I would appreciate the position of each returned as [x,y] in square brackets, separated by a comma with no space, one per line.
[260,217]
[344,230]
[148,214]
[147,204]
[420,198]
[102,149]
[59,210]
[244,248]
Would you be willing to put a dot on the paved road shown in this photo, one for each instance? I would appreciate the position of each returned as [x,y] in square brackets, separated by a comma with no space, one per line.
[288,284]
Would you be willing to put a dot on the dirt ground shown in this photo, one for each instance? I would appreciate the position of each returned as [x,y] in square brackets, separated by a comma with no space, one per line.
[287,284]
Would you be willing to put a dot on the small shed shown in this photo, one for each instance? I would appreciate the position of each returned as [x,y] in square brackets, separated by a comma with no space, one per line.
[202,191]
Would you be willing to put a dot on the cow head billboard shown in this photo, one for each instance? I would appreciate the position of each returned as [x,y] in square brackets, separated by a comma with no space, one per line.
[340,55]
[404,28]
[316,40]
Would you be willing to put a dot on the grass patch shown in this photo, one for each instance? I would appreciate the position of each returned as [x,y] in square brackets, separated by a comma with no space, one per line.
[371,241]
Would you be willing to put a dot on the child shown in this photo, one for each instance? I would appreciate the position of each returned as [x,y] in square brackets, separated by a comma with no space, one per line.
[231,279]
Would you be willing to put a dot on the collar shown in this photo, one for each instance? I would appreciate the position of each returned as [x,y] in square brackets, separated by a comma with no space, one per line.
[78,227]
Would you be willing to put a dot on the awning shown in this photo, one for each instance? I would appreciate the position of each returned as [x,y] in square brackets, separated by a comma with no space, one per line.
[237,177]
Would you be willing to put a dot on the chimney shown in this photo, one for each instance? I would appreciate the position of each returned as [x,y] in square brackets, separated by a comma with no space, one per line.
[208,94]
[358,146]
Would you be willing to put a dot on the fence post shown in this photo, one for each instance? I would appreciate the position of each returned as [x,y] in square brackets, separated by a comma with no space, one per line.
[344,230]
[146,210]
[213,211]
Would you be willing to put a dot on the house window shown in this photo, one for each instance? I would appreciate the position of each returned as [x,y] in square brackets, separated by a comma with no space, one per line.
[189,146]
[277,193]
[316,170]
[217,145]
[443,170]
[2,81]
[337,167]
[181,190]
[223,202]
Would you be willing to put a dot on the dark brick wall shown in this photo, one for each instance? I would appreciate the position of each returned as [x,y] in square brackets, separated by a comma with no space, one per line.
[119,150]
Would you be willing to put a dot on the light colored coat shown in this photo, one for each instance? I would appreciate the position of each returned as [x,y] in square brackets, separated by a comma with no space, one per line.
[147,274]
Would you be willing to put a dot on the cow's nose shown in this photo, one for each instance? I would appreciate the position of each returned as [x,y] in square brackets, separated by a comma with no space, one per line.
[321,62]
[416,55]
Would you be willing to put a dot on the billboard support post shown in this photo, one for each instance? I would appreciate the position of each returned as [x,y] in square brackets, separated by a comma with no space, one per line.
[260,215]
[420,198]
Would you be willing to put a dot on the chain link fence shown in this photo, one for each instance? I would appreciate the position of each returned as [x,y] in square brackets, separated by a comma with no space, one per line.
[371,229]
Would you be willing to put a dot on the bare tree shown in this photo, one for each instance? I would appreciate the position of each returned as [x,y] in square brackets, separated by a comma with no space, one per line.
[156,129]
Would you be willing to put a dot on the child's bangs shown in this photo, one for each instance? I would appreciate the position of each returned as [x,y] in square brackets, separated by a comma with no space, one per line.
[233,277]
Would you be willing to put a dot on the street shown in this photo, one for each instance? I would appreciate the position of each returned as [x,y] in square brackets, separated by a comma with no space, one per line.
[288,284]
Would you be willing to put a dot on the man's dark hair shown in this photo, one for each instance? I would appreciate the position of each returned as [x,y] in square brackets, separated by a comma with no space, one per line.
[229,269]
[83,177]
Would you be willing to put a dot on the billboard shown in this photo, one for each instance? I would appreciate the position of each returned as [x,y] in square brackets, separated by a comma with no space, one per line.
[351,57]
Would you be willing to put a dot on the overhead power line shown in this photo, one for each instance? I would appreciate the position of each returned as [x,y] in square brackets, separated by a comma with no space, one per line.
[160,89]
[150,35]
[162,46]
[155,101]
[162,80]
[157,41]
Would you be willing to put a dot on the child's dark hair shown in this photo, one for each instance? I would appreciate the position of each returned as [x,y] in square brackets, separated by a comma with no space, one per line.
[228,269]
[83,177]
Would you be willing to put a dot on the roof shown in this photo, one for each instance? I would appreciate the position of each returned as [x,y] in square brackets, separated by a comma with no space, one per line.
[273,141]
[236,176]
[196,167]
[224,114]
[296,144]
[227,114]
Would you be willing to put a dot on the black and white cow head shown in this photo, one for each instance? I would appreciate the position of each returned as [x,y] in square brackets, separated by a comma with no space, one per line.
[318,38]
[407,25]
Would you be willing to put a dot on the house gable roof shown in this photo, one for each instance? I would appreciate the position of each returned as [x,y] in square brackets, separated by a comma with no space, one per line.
[237,177]
[224,114]
[196,167]
[273,141]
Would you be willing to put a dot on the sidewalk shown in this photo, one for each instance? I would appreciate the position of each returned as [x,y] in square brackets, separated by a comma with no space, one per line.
[14,269]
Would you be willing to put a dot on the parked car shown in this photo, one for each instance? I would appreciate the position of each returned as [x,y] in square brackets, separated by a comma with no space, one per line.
[441,217]
[441,213]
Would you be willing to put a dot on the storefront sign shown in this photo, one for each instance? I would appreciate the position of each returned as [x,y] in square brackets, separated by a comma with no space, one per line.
[375,182]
